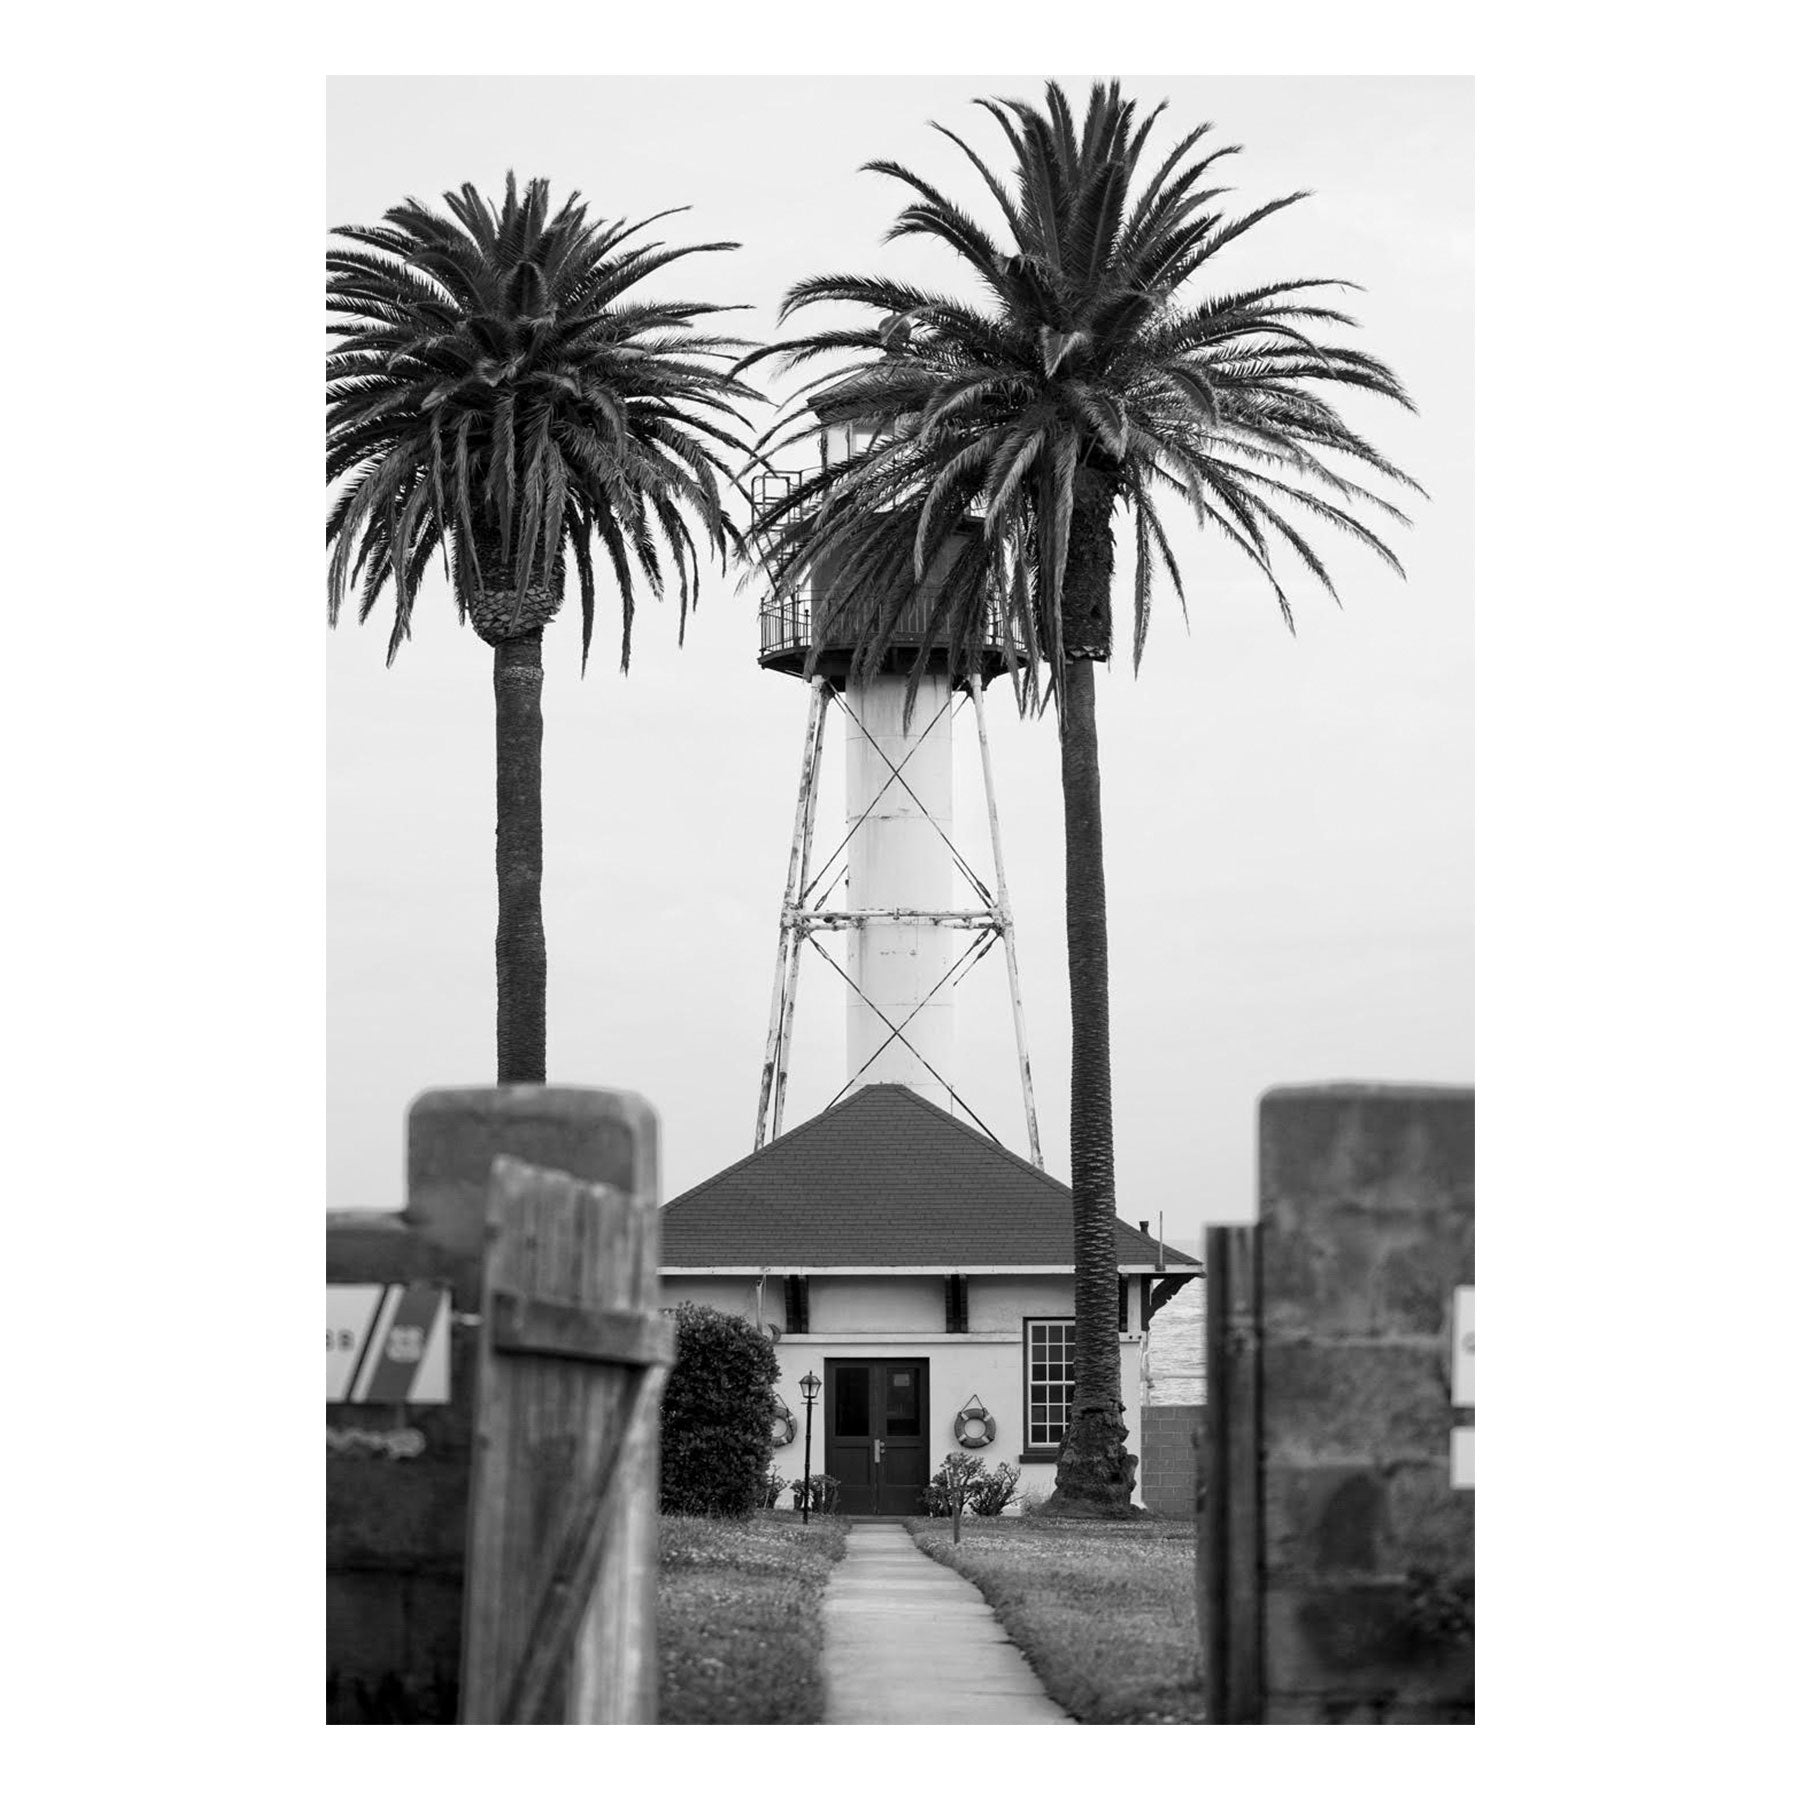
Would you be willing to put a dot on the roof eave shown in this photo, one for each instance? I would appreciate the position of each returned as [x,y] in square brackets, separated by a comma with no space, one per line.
[760,1269]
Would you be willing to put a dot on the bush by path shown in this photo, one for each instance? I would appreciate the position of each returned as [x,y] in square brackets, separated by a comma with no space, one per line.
[717,1412]
[737,1618]
[1105,1611]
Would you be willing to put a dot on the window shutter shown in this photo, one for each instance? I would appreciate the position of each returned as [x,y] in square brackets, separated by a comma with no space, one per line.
[798,1304]
[956,1303]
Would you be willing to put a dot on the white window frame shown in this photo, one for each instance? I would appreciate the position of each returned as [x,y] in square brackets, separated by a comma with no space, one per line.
[1054,1396]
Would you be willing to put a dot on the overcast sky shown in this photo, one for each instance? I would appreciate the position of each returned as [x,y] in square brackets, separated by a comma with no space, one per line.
[1288,819]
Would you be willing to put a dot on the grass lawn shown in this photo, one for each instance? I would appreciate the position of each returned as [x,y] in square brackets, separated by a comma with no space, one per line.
[1105,1611]
[737,1618]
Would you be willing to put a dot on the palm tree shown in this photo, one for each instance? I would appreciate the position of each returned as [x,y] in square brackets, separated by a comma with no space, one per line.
[1088,381]
[500,396]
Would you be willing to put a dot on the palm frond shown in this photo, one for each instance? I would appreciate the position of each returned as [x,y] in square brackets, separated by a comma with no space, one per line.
[501,391]
[1090,376]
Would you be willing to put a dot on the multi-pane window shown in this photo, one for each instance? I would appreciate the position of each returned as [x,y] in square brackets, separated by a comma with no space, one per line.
[1049,1381]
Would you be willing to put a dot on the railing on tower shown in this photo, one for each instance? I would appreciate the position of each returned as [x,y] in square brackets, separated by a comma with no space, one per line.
[786,621]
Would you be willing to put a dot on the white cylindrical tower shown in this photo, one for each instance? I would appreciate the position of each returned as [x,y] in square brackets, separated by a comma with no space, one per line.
[898,820]
[913,914]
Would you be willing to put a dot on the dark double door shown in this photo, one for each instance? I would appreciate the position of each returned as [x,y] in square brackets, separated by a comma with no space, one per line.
[876,1422]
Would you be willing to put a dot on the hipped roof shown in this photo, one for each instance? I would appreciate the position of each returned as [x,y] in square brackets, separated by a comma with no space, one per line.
[885,1180]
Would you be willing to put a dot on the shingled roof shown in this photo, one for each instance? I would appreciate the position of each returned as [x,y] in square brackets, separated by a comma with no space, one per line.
[884,1180]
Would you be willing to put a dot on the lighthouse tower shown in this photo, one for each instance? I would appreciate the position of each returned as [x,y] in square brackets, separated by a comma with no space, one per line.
[895,907]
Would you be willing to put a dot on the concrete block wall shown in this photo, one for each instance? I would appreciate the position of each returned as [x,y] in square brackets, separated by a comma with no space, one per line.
[1367,1229]
[1169,1460]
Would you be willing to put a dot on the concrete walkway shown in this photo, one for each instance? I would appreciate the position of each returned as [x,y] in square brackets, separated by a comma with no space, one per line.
[909,1642]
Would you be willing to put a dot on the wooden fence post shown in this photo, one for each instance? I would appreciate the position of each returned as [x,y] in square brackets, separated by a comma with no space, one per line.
[1232,1526]
[559,1623]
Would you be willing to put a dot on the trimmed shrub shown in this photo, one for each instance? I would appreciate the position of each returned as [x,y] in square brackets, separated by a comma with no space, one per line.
[717,1412]
[995,1494]
[965,1478]
[824,1494]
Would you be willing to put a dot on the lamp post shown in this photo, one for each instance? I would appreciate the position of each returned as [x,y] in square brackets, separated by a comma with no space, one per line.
[809,1388]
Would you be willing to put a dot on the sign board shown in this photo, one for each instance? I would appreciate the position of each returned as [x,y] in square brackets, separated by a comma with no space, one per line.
[1462,1456]
[1462,1348]
[1462,1385]
[387,1342]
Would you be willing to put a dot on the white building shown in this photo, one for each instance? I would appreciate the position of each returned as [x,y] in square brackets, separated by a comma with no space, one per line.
[919,1269]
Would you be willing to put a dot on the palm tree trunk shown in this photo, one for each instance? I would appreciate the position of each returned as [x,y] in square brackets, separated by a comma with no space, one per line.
[520,962]
[1094,1471]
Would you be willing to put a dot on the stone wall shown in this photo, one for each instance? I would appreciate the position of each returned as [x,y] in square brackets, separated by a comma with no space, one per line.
[1169,1460]
[1367,1227]
[395,1523]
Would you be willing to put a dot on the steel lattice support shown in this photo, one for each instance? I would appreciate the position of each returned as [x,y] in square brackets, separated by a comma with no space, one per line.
[805,914]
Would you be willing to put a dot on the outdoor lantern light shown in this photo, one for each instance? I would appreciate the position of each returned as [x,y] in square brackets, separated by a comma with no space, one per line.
[809,1388]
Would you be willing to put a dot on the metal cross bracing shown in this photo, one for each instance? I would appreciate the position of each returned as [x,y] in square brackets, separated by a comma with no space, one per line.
[806,912]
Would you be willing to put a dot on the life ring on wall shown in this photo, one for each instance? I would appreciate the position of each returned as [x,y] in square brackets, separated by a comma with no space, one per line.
[975,1427]
[781,1428]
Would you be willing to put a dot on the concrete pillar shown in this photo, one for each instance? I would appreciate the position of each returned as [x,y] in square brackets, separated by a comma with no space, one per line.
[1367,1229]
[454,1134]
